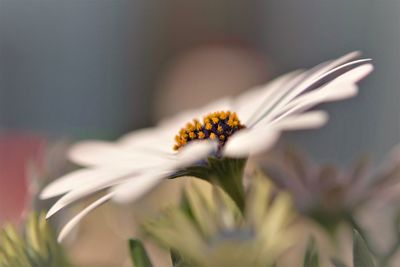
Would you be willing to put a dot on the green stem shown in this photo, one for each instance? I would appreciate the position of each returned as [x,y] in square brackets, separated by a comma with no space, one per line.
[225,172]
[228,173]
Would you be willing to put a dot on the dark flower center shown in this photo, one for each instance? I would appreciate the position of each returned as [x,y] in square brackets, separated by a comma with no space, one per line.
[216,126]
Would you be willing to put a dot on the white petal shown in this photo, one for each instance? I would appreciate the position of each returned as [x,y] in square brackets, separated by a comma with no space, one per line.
[74,221]
[191,153]
[195,151]
[320,75]
[345,91]
[340,88]
[250,141]
[309,79]
[155,138]
[92,153]
[357,74]
[103,179]
[69,182]
[95,153]
[312,119]
[268,104]
[137,186]
[249,104]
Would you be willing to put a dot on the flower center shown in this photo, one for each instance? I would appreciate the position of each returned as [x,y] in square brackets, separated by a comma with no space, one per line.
[216,126]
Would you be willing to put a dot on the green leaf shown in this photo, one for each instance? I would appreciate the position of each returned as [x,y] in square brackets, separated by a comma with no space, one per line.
[338,263]
[311,259]
[138,254]
[186,207]
[34,246]
[177,260]
[362,256]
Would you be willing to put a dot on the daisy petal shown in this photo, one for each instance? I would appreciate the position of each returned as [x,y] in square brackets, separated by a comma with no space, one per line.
[309,81]
[71,181]
[92,153]
[274,99]
[106,179]
[158,140]
[312,119]
[357,74]
[252,102]
[341,88]
[250,141]
[72,223]
[194,152]
[345,92]
[322,76]
[137,186]
[95,153]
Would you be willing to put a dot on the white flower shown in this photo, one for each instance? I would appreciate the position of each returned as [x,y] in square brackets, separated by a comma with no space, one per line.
[138,161]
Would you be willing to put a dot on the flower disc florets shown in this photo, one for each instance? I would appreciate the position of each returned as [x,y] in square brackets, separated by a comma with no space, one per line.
[217,126]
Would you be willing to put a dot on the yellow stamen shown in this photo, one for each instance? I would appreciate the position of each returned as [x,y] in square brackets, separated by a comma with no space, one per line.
[192,135]
[201,135]
[216,126]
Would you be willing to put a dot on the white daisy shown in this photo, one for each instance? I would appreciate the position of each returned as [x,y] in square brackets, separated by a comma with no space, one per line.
[242,126]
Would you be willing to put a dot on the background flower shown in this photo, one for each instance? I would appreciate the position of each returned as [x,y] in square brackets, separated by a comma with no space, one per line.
[330,194]
[208,227]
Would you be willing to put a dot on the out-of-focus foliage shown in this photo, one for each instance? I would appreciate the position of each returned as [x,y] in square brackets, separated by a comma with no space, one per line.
[208,229]
[362,256]
[311,258]
[35,246]
[138,254]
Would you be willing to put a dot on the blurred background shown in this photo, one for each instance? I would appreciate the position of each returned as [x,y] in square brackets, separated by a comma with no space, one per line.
[99,68]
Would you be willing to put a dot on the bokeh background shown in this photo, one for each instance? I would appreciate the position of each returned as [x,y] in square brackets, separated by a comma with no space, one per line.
[99,68]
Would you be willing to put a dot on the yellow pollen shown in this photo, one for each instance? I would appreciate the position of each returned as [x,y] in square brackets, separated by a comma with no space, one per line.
[190,127]
[192,135]
[198,126]
[201,135]
[218,126]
